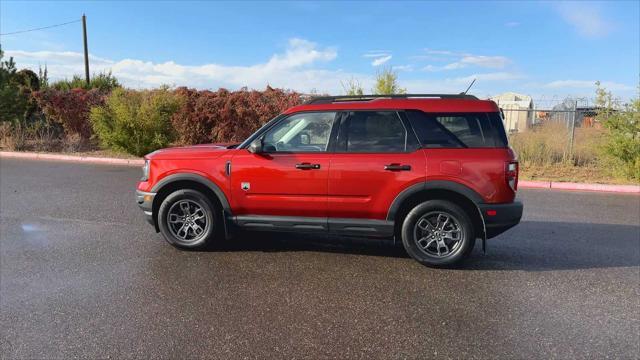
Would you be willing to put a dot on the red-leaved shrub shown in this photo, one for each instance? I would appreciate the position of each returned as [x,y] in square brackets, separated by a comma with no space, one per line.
[198,115]
[70,108]
[225,116]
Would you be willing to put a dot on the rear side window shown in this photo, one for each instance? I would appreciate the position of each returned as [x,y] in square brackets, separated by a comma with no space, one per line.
[374,131]
[452,130]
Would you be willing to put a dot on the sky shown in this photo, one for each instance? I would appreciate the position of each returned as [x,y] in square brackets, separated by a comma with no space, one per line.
[549,50]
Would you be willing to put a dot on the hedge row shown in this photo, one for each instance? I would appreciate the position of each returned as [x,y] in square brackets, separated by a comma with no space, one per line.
[226,116]
[140,121]
[70,108]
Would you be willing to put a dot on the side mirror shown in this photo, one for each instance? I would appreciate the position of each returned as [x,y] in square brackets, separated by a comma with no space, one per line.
[256,146]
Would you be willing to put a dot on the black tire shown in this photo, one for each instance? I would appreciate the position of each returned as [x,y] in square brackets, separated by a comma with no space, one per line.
[174,204]
[459,226]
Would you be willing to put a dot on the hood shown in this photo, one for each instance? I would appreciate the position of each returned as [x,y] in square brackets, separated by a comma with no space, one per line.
[208,151]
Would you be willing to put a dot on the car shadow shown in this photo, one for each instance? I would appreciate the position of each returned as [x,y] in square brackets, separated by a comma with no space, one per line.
[531,246]
[285,242]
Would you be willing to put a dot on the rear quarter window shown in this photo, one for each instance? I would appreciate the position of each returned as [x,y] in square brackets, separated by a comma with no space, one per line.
[454,130]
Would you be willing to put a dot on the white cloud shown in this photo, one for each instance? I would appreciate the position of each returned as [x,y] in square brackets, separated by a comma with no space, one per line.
[440,52]
[454,85]
[495,76]
[379,56]
[296,68]
[375,54]
[585,17]
[469,60]
[303,66]
[381,60]
[378,52]
[587,84]
[402,67]
[494,62]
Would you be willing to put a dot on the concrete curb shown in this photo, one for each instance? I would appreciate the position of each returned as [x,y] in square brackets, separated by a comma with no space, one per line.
[524,184]
[86,159]
[626,189]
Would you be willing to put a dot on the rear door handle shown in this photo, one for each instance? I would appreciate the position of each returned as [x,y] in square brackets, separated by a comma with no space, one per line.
[397,167]
[307,166]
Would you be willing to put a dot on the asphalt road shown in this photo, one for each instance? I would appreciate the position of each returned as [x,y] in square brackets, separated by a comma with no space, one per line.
[83,276]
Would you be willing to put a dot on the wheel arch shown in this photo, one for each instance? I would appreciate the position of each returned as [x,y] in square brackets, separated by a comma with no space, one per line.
[461,195]
[193,181]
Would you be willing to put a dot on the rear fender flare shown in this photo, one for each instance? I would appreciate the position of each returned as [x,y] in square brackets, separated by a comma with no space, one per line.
[461,189]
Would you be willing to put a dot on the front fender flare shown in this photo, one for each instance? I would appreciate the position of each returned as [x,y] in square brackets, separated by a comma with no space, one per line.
[187,176]
[184,176]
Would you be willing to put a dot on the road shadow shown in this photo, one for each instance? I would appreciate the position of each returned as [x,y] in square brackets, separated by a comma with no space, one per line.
[544,246]
[531,246]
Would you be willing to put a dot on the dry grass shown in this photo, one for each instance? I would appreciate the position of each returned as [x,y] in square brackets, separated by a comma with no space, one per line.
[569,173]
[541,146]
[13,137]
[550,145]
[543,153]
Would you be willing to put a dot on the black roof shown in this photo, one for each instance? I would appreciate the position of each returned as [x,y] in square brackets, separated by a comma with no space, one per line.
[332,99]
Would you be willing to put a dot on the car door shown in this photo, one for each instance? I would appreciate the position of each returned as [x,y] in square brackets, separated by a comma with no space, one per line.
[289,177]
[376,157]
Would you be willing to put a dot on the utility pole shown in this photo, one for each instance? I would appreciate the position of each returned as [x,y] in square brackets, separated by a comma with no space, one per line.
[86,49]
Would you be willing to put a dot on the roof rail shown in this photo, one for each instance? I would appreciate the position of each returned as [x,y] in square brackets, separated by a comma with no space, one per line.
[332,99]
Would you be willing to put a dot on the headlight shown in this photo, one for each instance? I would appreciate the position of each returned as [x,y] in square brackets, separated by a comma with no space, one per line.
[145,170]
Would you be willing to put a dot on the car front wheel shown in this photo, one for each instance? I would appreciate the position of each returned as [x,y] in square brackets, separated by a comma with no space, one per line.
[438,233]
[187,219]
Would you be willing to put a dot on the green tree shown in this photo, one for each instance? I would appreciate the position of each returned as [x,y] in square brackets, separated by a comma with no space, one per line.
[13,102]
[387,83]
[102,81]
[623,136]
[352,87]
[137,122]
[43,75]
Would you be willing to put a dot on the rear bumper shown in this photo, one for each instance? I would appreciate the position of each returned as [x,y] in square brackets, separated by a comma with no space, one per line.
[145,202]
[499,218]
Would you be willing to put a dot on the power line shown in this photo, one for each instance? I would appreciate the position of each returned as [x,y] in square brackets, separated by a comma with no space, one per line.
[40,28]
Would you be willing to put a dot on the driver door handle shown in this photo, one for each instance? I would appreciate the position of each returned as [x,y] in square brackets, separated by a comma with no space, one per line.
[397,167]
[307,166]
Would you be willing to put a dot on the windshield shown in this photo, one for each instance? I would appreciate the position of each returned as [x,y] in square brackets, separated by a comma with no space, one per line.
[264,127]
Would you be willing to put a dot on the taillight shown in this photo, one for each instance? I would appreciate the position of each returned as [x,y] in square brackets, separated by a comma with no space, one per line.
[511,174]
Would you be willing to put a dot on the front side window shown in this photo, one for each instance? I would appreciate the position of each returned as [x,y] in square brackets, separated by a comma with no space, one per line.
[306,132]
[374,131]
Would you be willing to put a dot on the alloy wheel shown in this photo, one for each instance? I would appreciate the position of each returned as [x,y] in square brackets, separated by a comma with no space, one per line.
[438,234]
[188,221]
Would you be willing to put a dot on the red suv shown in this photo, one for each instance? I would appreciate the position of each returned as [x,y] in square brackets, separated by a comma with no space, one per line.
[434,171]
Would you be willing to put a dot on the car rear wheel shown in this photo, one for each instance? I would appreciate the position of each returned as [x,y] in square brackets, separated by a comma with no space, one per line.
[187,219]
[438,233]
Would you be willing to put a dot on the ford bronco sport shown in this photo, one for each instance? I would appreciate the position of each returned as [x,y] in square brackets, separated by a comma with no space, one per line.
[432,171]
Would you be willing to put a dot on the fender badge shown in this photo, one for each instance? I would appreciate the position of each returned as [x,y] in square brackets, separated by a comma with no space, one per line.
[245,186]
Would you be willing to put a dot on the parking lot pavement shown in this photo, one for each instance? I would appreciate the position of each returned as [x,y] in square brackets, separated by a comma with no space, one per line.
[82,275]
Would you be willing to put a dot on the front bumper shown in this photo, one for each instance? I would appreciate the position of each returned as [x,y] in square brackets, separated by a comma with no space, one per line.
[499,218]
[145,202]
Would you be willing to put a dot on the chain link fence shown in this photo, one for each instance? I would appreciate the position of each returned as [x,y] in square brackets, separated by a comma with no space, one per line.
[567,133]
